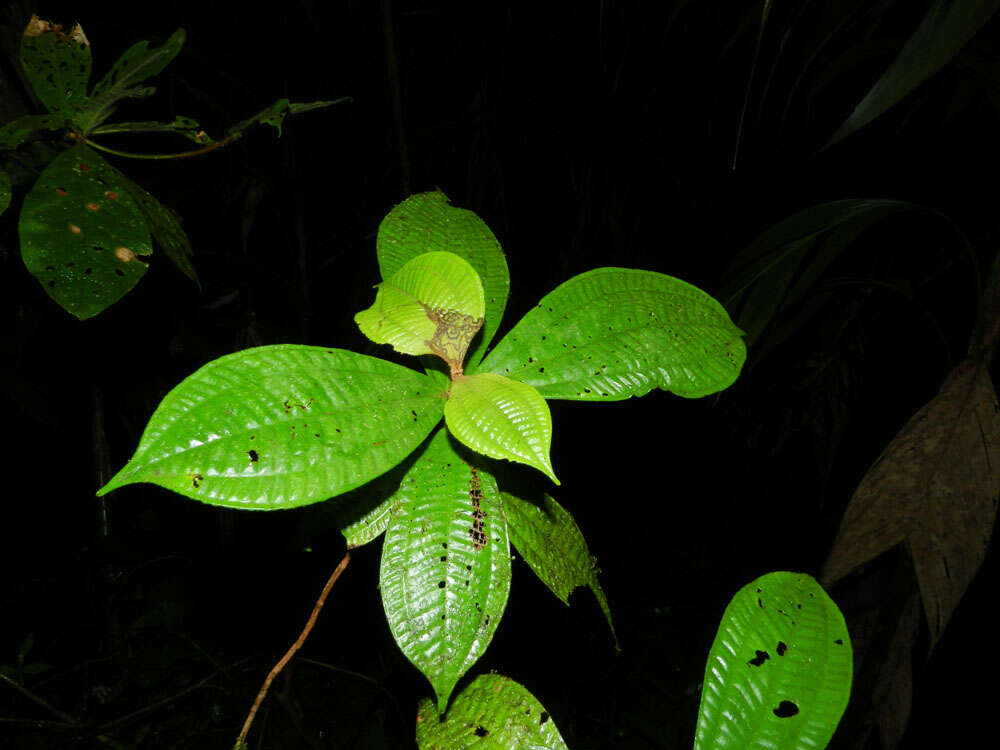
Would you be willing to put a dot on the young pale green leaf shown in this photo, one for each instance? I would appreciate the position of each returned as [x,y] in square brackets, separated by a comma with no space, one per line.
[282,426]
[165,227]
[16,132]
[552,544]
[612,333]
[5,193]
[779,671]
[445,565]
[425,222]
[432,305]
[82,234]
[501,418]
[948,25]
[136,64]
[491,713]
[57,65]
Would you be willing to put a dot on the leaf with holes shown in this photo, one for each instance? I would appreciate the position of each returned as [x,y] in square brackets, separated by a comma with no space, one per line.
[82,234]
[282,426]
[779,671]
[551,543]
[432,305]
[612,333]
[501,418]
[57,65]
[445,565]
[426,222]
[493,713]
[136,64]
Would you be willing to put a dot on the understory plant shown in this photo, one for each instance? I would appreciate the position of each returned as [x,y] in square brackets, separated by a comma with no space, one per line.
[84,226]
[277,427]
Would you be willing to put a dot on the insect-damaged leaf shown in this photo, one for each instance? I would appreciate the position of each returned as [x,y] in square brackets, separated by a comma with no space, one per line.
[501,418]
[612,333]
[57,64]
[426,222]
[445,565]
[281,426]
[935,487]
[551,543]
[779,671]
[432,305]
[493,713]
[82,233]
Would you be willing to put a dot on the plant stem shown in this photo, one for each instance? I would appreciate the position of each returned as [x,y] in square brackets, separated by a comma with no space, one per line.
[159,157]
[276,669]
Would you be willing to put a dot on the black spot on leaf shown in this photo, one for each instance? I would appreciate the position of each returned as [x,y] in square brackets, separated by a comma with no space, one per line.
[759,659]
[785,709]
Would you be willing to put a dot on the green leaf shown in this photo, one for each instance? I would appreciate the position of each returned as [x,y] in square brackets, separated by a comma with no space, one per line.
[57,65]
[16,132]
[282,426]
[612,333]
[5,190]
[948,25]
[780,267]
[82,233]
[136,64]
[552,544]
[274,115]
[779,671]
[432,305]
[501,418]
[425,222]
[445,565]
[492,713]
[165,226]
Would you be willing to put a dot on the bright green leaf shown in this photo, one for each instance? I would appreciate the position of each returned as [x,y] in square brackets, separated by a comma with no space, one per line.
[136,64]
[612,333]
[501,418]
[445,565]
[491,713]
[5,190]
[432,305]
[779,672]
[16,132]
[282,426]
[57,65]
[948,25]
[82,233]
[425,222]
[552,544]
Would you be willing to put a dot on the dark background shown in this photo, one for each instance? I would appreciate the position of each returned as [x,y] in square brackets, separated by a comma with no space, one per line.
[584,134]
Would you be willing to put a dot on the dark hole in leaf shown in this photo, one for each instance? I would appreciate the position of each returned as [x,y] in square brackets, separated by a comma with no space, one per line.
[444,558]
[759,659]
[481,732]
[785,709]
[839,642]
[543,718]
[88,271]
[782,648]
[52,283]
[119,272]
[254,458]
[441,584]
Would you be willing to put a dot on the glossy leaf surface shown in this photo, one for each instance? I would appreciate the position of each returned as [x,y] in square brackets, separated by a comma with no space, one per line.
[445,565]
[948,25]
[425,222]
[136,64]
[492,713]
[82,234]
[432,305]
[281,426]
[501,418]
[57,64]
[612,333]
[552,544]
[779,672]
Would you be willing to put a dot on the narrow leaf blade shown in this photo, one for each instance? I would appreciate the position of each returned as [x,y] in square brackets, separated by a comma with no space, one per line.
[426,222]
[445,573]
[82,234]
[613,333]
[57,64]
[779,671]
[493,713]
[282,426]
[501,418]
[553,546]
